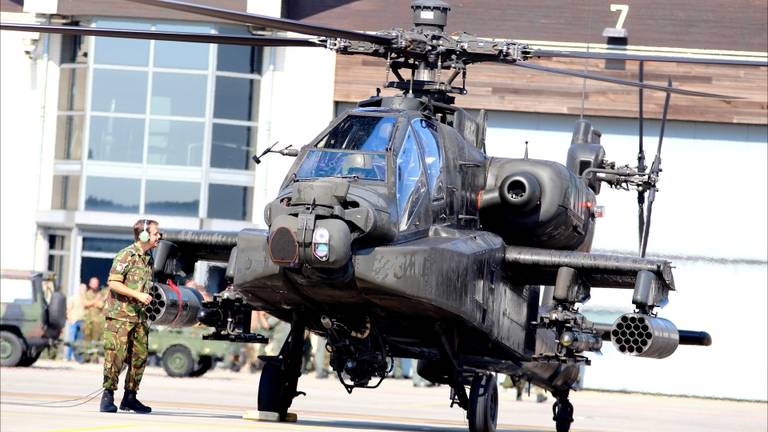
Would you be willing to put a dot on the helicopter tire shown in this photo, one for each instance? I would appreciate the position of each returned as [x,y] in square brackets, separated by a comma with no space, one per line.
[483,410]
[563,415]
[269,387]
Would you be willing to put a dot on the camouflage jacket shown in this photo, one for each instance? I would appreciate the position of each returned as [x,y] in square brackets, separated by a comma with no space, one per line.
[133,268]
[94,313]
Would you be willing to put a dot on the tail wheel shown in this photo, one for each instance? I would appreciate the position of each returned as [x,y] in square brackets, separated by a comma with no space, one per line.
[178,361]
[12,349]
[483,403]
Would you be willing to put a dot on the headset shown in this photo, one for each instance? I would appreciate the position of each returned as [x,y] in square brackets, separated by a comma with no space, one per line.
[144,234]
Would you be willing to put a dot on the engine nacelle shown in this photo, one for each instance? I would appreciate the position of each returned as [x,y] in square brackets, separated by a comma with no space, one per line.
[644,336]
[537,203]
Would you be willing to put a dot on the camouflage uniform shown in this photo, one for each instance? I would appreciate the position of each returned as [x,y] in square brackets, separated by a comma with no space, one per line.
[126,332]
[93,325]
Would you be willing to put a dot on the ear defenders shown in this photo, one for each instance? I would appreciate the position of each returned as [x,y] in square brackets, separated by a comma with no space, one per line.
[144,234]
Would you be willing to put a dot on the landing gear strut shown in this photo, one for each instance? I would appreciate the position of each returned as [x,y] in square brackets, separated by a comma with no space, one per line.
[483,408]
[562,412]
[280,376]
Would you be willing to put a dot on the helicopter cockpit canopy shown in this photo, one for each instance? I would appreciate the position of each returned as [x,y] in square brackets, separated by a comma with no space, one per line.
[356,148]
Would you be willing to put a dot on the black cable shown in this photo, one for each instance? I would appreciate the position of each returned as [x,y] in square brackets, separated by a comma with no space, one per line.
[89,397]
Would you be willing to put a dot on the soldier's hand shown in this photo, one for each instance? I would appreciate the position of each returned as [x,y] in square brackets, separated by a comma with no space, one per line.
[143,298]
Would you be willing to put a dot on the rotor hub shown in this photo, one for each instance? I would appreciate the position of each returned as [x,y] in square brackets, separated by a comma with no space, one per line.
[430,15]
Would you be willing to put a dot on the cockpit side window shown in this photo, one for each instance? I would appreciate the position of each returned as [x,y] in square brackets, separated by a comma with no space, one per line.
[411,183]
[427,133]
[365,133]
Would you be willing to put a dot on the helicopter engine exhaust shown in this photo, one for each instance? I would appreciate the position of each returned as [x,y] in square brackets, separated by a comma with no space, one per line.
[536,203]
[642,335]
[173,306]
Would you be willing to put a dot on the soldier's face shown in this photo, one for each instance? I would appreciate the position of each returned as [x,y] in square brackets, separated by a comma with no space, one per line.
[154,235]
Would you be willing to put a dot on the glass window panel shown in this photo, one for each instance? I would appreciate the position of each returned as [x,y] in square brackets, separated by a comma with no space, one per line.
[231,146]
[236,98]
[229,202]
[96,267]
[73,50]
[178,94]
[69,137]
[112,194]
[181,55]
[58,243]
[116,139]
[172,198]
[17,291]
[65,194]
[72,89]
[116,51]
[111,245]
[238,58]
[427,133]
[175,143]
[410,183]
[119,91]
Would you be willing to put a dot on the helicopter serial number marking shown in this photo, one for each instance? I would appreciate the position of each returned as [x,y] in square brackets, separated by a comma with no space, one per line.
[622,16]
[397,266]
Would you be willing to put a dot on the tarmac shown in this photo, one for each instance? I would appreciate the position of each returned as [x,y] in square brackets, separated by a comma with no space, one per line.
[52,396]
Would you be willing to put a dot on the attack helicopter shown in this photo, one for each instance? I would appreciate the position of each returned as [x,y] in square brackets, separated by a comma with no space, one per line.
[395,235]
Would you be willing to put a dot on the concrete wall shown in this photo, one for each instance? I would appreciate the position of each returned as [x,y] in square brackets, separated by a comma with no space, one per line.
[23,84]
[709,219]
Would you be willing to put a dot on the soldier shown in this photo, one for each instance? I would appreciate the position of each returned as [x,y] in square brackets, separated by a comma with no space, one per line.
[93,319]
[126,331]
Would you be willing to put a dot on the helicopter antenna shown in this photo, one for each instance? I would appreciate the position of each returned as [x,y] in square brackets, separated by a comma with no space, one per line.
[653,174]
[525,155]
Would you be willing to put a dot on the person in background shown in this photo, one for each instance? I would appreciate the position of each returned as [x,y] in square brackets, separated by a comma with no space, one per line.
[75,317]
[93,319]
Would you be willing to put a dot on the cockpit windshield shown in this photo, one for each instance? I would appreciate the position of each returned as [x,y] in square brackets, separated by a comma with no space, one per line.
[366,133]
[346,164]
[354,148]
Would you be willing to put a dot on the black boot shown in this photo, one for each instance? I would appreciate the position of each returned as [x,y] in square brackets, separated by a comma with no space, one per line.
[108,402]
[130,403]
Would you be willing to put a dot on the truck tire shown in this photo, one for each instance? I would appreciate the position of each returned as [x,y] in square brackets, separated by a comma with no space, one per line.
[203,366]
[11,349]
[178,361]
[57,311]
[29,358]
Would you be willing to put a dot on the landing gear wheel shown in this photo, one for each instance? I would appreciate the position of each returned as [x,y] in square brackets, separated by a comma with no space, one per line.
[483,403]
[562,414]
[11,349]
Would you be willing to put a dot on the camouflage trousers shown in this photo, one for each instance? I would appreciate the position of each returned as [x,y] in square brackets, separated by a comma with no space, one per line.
[125,342]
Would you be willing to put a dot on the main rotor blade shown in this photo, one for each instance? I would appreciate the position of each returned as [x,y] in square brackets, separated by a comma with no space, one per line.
[620,81]
[164,35]
[265,21]
[653,58]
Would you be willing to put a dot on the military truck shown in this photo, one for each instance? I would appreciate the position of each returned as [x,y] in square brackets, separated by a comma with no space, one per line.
[183,352]
[33,313]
